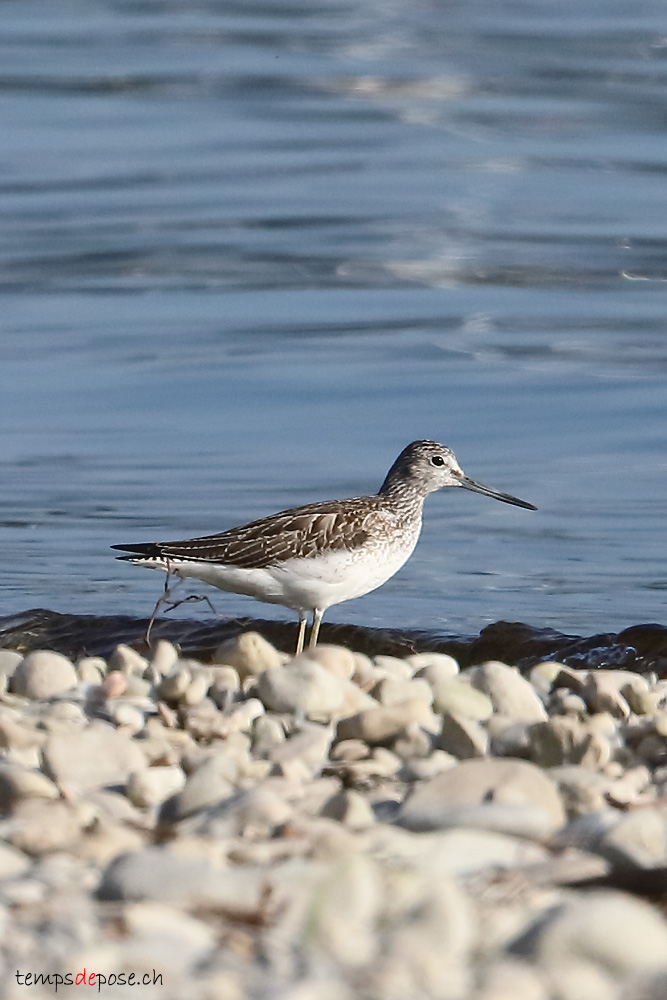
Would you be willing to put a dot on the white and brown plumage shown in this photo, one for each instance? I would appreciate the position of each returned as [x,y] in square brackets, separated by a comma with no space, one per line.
[310,558]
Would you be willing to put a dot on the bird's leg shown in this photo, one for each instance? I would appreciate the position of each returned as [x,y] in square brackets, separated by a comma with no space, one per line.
[315,630]
[303,618]
[191,599]
[163,599]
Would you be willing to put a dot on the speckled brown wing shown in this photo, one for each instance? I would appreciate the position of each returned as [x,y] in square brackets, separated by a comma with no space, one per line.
[302,531]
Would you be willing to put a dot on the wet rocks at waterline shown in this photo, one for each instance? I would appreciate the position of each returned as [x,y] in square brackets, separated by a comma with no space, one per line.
[332,826]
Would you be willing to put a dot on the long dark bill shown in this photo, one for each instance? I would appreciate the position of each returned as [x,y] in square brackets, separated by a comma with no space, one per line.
[470,484]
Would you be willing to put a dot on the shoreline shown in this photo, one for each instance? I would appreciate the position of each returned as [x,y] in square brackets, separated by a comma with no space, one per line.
[640,647]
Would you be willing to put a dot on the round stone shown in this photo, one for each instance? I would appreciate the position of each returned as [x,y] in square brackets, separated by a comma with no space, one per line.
[152,785]
[91,669]
[383,724]
[249,653]
[302,686]
[471,793]
[336,659]
[43,674]
[461,699]
[510,693]
[91,758]
[127,660]
[618,932]
[433,666]
[9,661]
[165,656]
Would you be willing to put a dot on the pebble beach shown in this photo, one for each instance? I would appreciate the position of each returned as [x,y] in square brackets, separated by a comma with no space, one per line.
[330,827]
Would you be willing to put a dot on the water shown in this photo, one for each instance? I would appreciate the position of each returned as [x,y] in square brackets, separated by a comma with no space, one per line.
[248,252]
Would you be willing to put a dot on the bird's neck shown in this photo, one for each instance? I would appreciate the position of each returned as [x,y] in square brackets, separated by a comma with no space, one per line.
[402,495]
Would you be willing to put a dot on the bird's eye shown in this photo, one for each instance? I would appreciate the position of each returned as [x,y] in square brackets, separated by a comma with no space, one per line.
[437,460]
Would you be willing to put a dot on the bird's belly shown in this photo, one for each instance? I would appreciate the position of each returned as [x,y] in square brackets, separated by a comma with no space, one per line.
[323,580]
[257,583]
[302,584]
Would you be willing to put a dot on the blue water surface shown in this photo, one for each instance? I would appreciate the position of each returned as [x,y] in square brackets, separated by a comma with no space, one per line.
[249,251]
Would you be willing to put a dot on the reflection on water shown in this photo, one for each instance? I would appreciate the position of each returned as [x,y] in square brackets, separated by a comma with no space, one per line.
[249,251]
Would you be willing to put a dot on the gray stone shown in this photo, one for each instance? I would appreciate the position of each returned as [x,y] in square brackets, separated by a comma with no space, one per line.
[225,685]
[526,821]
[429,948]
[564,702]
[602,693]
[204,722]
[414,742]
[383,724]
[39,826]
[127,660]
[544,675]
[164,657]
[462,737]
[510,693]
[336,659]
[510,979]
[632,783]
[582,978]
[18,783]
[349,808]
[138,686]
[433,667]
[161,875]
[382,763]
[13,863]
[355,699]
[461,699]
[249,653]
[473,791]
[64,718]
[127,717]
[198,687]
[241,717]
[170,937]
[9,661]
[638,839]
[643,702]
[351,750]
[43,674]
[653,749]
[365,672]
[585,832]
[152,785]
[393,666]
[567,868]
[17,732]
[508,738]
[173,686]
[213,780]
[91,758]
[422,768]
[268,731]
[252,813]
[560,740]
[304,687]
[582,790]
[389,691]
[617,932]
[342,915]
[106,840]
[309,745]
[572,679]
